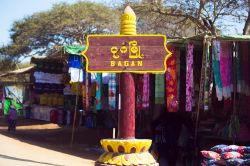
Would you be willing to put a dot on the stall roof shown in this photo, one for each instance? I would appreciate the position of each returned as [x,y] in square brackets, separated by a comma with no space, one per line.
[18,71]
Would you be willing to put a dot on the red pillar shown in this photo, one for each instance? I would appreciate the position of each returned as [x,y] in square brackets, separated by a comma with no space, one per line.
[126,123]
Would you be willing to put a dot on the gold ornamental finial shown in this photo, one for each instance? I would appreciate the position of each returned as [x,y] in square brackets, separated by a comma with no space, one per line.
[129,10]
[128,22]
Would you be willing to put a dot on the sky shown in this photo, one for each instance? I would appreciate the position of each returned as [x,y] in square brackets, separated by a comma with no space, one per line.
[12,10]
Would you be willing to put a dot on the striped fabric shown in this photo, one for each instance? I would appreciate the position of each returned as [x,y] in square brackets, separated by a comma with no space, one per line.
[98,91]
[159,88]
[112,91]
[189,77]
[145,97]
[226,68]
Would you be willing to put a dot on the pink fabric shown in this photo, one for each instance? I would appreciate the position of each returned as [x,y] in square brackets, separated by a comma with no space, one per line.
[139,91]
[189,77]
[145,97]
[226,68]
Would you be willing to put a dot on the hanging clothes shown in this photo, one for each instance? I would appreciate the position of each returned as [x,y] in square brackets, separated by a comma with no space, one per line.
[171,81]
[207,77]
[244,53]
[145,97]
[216,68]
[189,76]
[159,89]
[75,61]
[76,74]
[98,91]
[226,68]
[112,91]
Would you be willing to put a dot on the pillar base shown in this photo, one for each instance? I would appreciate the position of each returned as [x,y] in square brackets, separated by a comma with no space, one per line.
[126,152]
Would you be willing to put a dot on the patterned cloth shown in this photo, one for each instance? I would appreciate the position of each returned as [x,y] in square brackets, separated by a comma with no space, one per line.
[207,77]
[159,89]
[189,77]
[226,68]
[98,91]
[171,81]
[216,68]
[145,97]
[112,91]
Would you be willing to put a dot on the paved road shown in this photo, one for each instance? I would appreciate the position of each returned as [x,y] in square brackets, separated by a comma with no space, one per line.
[16,153]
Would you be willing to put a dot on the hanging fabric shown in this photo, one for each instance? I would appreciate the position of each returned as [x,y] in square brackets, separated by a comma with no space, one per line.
[226,68]
[87,91]
[112,91]
[240,81]
[244,53]
[98,91]
[189,77]
[84,85]
[216,68]
[145,97]
[207,77]
[159,89]
[171,81]
[139,91]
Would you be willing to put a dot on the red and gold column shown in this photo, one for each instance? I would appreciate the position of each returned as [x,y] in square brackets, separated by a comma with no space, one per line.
[126,150]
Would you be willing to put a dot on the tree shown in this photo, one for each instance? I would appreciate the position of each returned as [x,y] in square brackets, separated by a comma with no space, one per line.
[246,29]
[210,16]
[42,33]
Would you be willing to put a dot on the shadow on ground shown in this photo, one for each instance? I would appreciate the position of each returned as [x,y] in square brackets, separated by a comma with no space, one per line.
[51,136]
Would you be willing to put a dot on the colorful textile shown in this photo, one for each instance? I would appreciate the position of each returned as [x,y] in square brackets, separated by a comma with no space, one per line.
[171,81]
[216,68]
[112,91]
[145,97]
[76,88]
[226,68]
[245,66]
[139,91]
[76,49]
[189,77]
[159,89]
[207,77]
[98,91]
[75,61]
[76,74]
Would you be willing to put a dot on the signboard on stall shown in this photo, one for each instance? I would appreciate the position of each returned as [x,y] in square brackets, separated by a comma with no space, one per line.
[123,53]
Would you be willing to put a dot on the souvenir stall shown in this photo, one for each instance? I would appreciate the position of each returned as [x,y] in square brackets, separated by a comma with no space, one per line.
[15,89]
[47,90]
[218,96]
[95,93]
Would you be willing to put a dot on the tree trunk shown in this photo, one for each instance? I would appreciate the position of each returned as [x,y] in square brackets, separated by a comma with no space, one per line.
[246,29]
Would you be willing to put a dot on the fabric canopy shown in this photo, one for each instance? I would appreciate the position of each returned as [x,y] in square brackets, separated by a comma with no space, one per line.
[74,49]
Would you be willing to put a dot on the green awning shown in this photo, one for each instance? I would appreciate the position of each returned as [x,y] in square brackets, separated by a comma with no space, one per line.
[74,49]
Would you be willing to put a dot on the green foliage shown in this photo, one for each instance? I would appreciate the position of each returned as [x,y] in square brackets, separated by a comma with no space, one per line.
[42,32]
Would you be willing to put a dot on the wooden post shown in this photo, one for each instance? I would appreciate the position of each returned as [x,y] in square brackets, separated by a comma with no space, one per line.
[126,116]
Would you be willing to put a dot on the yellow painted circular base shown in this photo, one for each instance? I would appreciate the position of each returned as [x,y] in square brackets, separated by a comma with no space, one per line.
[126,145]
[125,159]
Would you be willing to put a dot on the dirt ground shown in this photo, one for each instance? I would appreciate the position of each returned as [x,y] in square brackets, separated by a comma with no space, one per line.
[57,138]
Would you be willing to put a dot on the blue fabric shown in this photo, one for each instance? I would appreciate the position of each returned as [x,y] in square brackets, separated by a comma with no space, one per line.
[75,61]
